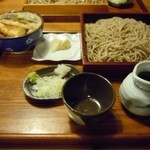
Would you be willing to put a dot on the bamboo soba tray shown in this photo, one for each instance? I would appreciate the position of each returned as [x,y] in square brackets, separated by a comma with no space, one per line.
[110,69]
[65,9]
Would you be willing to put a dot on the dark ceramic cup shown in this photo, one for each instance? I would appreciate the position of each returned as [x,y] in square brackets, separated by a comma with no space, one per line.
[88,97]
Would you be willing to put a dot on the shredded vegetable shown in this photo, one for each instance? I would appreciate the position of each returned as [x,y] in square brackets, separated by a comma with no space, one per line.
[48,87]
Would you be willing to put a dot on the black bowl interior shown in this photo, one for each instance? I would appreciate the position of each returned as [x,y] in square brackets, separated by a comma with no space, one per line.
[86,85]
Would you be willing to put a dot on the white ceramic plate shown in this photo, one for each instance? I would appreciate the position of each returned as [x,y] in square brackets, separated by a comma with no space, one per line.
[42,49]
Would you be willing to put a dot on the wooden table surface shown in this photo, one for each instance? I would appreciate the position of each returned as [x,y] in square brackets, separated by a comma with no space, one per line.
[30,125]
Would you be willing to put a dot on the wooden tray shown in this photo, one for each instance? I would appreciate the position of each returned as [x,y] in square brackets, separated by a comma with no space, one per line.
[109,69]
[65,9]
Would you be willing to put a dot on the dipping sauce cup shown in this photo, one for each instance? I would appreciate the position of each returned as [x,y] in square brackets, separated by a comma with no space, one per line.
[88,97]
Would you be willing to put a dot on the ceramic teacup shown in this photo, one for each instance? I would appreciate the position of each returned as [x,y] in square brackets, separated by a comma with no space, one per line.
[88,97]
[135,90]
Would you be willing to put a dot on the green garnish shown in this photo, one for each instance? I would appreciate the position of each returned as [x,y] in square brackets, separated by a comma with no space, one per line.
[32,77]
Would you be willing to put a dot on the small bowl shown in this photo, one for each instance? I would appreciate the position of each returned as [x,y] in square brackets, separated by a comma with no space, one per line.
[88,97]
[120,4]
[22,41]
[134,91]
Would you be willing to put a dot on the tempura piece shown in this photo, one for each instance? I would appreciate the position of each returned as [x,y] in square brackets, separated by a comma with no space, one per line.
[11,31]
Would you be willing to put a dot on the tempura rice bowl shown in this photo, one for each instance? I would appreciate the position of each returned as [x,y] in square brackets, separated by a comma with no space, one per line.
[23,41]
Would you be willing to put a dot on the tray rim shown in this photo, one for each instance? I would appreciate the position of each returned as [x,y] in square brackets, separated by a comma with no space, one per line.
[105,3]
[63,9]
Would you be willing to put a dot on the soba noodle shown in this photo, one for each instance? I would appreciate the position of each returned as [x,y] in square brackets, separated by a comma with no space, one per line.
[117,40]
[66,1]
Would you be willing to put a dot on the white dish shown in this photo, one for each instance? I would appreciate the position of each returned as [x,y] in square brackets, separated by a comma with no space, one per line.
[42,49]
